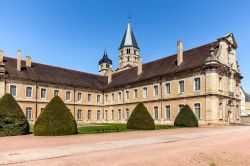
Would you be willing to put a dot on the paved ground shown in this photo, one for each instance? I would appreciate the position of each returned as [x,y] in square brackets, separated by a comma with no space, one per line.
[227,146]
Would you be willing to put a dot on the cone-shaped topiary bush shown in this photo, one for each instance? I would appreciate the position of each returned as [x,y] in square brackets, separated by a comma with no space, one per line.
[186,118]
[55,120]
[12,119]
[140,119]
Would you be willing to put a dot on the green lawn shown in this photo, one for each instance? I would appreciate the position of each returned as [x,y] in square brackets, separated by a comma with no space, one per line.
[108,128]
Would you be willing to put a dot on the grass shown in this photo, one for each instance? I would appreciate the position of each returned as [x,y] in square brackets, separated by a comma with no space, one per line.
[108,128]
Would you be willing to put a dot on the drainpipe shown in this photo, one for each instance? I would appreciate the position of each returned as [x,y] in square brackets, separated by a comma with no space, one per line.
[161,97]
[36,100]
[74,102]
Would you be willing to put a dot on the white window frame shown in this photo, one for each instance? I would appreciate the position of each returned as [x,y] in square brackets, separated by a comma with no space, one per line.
[127,94]
[89,99]
[195,111]
[145,96]
[194,87]
[120,96]
[26,91]
[69,95]
[156,85]
[136,96]
[179,86]
[127,113]
[112,114]
[169,88]
[157,113]
[45,93]
[98,115]
[16,89]
[168,119]
[120,115]
[54,92]
[31,113]
[98,95]
[89,116]
[78,114]
[112,97]
[78,96]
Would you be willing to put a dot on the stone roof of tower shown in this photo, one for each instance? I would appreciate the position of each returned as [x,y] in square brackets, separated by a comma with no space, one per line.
[192,59]
[128,39]
[105,59]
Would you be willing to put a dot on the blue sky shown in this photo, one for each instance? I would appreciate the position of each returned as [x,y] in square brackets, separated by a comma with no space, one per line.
[73,33]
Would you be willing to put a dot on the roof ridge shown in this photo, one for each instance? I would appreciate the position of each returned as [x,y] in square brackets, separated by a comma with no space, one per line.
[58,67]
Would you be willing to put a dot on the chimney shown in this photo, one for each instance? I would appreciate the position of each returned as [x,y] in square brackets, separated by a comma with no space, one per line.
[179,52]
[139,70]
[18,60]
[1,56]
[109,73]
[28,61]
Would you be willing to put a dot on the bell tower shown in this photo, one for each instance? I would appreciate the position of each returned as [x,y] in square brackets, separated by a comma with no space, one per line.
[129,52]
[104,64]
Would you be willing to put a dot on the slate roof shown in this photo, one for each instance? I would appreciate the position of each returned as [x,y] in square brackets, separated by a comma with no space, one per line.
[247,96]
[128,38]
[193,58]
[105,59]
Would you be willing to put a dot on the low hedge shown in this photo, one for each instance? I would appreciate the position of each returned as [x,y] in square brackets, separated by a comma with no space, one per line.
[12,119]
[55,120]
[186,118]
[140,119]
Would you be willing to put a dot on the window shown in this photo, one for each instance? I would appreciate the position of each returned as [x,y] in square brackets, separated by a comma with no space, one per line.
[56,92]
[79,114]
[119,96]
[127,95]
[112,114]
[128,58]
[156,113]
[135,93]
[89,114]
[43,93]
[181,86]
[28,91]
[220,84]
[127,113]
[145,92]
[106,98]
[167,86]
[167,112]
[98,98]
[181,106]
[98,115]
[29,113]
[106,114]
[128,51]
[197,84]
[197,109]
[156,90]
[13,90]
[68,95]
[89,97]
[120,114]
[113,97]
[79,96]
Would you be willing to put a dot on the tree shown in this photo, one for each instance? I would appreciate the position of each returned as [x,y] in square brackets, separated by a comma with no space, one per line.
[186,118]
[12,119]
[55,120]
[140,119]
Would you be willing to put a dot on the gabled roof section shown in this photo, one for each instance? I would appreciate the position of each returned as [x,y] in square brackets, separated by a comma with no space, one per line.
[192,59]
[128,39]
[230,38]
[54,75]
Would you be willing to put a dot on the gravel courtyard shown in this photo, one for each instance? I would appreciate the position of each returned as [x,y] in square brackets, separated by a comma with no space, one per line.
[213,146]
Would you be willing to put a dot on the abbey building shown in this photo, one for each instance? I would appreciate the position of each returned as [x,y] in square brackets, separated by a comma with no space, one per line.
[207,78]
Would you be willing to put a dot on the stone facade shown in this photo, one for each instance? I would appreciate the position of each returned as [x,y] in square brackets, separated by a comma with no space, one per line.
[211,90]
